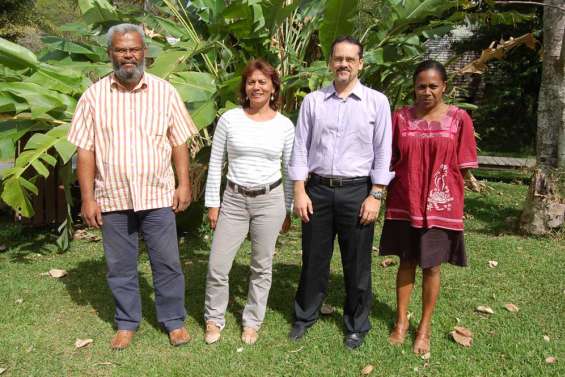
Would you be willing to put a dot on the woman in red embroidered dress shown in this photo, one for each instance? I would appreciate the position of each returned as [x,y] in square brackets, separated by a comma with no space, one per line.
[433,144]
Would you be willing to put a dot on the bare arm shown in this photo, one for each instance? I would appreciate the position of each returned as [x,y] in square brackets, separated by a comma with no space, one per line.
[183,193]
[86,170]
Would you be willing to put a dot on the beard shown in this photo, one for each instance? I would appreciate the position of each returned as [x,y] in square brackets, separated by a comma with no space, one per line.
[129,76]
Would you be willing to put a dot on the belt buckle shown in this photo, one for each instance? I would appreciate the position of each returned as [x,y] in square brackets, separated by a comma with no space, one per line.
[335,182]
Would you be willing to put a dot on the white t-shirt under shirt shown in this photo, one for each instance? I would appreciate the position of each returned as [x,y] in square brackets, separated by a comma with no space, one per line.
[255,150]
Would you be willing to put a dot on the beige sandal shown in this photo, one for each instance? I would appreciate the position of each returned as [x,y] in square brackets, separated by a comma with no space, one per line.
[212,334]
[249,335]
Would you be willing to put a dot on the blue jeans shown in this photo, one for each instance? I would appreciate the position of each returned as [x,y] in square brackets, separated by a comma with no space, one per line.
[121,246]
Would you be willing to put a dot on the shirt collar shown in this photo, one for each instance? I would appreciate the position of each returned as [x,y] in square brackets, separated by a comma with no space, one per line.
[357,91]
[141,85]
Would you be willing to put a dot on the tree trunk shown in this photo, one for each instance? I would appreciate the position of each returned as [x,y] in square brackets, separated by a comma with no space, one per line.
[544,209]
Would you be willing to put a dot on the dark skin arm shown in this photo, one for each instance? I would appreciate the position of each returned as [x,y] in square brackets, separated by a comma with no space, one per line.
[86,170]
[183,192]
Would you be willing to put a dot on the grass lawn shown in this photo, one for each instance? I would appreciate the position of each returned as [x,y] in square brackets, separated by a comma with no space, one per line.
[37,335]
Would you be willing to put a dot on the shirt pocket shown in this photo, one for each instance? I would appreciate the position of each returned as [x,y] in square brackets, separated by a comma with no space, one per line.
[156,122]
[362,133]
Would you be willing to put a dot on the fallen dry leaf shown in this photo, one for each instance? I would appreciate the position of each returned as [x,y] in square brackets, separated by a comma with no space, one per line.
[426,356]
[19,301]
[463,331]
[83,234]
[80,343]
[511,308]
[367,370]
[388,262]
[550,360]
[2,370]
[375,248]
[297,350]
[465,341]
[240,349]
[104,363]
[546,338]
[484,309]
[492,263]
[327,309]
[57,273]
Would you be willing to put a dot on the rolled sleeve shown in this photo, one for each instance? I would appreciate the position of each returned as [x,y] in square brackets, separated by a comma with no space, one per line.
[81,132]
[181,126]
[382,145]
[298,166]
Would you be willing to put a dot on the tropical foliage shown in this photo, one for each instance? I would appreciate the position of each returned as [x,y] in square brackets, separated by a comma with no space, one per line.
[201,48]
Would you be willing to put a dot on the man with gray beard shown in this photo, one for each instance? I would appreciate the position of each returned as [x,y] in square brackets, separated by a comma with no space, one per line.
[128,127]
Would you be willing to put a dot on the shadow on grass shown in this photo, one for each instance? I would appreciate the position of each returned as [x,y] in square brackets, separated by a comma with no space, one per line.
[281,296]
[23,242]
[495,218]
[86,284]
[283,288]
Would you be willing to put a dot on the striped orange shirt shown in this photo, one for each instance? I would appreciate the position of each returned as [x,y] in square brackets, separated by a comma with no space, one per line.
[132,134]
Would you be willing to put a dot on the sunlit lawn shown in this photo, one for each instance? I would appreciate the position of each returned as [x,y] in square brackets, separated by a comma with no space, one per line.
[41,317]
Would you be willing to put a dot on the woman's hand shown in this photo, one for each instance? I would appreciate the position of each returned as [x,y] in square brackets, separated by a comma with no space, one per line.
[213,214]
[286,224]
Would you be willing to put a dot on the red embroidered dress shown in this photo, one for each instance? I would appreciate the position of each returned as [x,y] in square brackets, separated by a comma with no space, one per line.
[428,187]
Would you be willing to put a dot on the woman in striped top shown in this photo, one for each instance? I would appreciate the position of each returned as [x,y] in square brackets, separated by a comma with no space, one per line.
[258,141]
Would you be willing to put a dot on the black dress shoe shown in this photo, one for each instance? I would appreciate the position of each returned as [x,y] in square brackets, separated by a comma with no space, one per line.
[297,332]
[354,339]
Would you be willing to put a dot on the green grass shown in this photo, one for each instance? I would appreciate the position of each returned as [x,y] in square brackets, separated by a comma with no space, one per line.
[37,336]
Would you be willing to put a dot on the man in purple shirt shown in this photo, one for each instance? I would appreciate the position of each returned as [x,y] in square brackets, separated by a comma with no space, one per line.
[340,166]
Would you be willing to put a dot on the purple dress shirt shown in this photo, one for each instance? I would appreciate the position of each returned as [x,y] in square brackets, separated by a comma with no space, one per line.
[343,137]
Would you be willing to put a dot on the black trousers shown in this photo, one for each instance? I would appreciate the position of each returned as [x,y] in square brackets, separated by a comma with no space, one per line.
[336,212]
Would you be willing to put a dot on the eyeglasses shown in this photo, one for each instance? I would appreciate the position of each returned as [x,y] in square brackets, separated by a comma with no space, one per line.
[347,59]
[124,51]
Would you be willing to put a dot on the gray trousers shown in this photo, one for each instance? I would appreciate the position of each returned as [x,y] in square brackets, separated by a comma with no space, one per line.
[261,216]
[121,246]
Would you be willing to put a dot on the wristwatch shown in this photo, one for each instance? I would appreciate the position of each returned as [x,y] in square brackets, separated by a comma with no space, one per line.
[376,194]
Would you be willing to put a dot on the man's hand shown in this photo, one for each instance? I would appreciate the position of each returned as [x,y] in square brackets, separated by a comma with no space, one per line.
[213,214]
[90,212]
[182,198]
[303,205]
[286,224]
[369,210]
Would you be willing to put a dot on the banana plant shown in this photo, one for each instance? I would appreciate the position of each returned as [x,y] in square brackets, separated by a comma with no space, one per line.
[200,46]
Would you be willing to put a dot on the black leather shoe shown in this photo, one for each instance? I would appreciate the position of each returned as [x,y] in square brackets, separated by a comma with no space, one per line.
[354,339]
[297,332]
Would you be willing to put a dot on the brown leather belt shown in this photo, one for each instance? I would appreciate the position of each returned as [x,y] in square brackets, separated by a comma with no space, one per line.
[253,192]
[338,182]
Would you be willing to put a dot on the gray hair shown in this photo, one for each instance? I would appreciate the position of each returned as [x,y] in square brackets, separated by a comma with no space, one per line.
[123,29]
